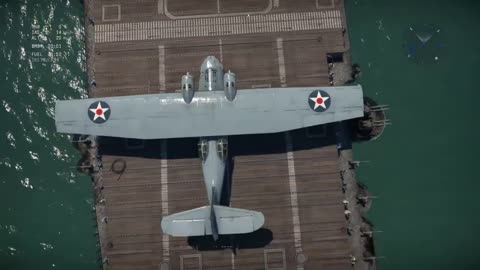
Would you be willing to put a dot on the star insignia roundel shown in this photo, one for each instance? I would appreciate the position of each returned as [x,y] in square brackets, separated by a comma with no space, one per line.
[99,112]
[319,100]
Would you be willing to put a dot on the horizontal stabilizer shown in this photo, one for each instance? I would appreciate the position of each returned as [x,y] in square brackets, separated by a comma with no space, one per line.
[188,223]
[197,222]
[234,220]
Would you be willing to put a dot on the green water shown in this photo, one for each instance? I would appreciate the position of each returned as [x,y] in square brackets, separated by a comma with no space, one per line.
[422,168]
[45,214]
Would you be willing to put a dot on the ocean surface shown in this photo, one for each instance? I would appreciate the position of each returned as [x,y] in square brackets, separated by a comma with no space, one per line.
[46,218]
[422,169]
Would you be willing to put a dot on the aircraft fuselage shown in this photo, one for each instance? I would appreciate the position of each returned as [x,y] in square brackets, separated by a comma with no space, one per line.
[214,148]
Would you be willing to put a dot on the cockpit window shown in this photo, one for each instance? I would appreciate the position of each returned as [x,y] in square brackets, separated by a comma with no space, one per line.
[213,73]
[189,86]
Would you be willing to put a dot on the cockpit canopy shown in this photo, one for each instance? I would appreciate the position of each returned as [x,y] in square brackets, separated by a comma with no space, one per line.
[211,73]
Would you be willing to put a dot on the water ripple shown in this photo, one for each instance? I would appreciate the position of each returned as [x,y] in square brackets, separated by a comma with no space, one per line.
[29,110]
[22,53]
[380,25]
[41,94]
[15,87]
[26,183]
[90,202]
[12,250]
[11,139]
[18,167]
[11,229]
[6,162]
[7,107]
[34,156]
[76,84]
[58,153]
[46,246]
[42,133]
[68,176]
[23,10]
[9,56]
[51,112]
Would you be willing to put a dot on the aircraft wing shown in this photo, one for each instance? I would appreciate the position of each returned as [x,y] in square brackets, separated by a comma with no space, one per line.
[253,111]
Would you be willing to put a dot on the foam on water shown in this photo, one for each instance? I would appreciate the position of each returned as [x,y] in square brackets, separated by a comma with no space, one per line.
[11,139]
[29,110]
[22,53]
[41,94]
[34,156]
[18,167]
[40,131]
[7,107]
[26,183]
[10,229]
[6,162]
[60,155]
[46,246]
[12,250]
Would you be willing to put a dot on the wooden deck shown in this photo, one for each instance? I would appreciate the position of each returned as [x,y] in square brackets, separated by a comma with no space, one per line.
[145,46]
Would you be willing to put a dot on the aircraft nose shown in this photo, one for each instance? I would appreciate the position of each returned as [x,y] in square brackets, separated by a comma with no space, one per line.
[210,62]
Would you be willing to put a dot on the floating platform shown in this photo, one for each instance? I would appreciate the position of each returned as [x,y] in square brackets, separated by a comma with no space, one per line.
[143,47]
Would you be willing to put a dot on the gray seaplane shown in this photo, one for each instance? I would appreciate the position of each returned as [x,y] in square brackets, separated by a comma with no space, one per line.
[212,113]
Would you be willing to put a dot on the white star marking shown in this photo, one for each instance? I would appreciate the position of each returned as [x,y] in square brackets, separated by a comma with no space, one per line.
[103,110]
[319,98]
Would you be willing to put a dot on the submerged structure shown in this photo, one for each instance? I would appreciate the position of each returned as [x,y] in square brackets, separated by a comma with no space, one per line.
[303,181]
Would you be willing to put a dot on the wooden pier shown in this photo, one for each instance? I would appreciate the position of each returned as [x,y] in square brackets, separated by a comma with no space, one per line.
[143,47]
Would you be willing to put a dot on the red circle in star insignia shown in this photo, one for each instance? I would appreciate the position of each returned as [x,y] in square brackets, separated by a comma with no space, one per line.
[319,100]
[99,112]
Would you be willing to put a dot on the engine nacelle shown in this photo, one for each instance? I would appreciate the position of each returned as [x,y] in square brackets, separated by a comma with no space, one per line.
[230,85]
[188,88]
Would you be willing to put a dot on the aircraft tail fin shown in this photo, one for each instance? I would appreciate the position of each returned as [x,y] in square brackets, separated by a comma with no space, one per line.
[212,220]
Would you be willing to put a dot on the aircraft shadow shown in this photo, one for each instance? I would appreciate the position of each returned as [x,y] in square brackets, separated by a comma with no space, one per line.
[257,239]
[239,145]
[227,184]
